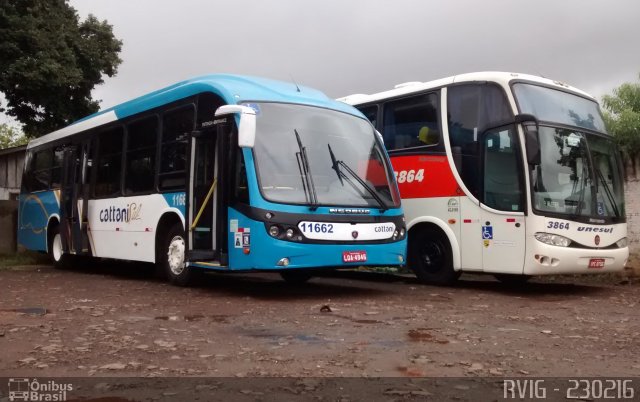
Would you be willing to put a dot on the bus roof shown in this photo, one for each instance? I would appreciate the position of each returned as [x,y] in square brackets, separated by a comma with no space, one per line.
[503,78]
[233,89]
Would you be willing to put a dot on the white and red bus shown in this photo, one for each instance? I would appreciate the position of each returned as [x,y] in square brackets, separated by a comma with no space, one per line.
[503,173]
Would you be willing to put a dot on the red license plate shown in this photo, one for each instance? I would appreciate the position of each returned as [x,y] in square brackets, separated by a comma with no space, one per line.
[596,263]
[354,256]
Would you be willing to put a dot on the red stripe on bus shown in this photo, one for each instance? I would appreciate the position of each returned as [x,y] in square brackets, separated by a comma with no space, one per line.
[511,220]
[467,221]
[424,176]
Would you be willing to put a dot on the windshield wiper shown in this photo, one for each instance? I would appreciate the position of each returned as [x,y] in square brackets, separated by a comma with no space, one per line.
[336,166]
[305,171]
[608,192]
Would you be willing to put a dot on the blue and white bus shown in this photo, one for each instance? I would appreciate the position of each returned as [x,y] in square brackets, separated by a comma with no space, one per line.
[221,172]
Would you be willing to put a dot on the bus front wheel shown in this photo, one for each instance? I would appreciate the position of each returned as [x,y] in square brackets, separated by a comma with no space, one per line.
[171,257]
[295,277]
[430,257]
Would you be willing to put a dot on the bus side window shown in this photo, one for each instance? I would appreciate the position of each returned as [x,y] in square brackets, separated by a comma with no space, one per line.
[40,170]
[371,113]
[56,170]
[411,122]
[208,103]
[241,186]
[501,186]
[141,155]
[109,163]
[470,108]
[176,127]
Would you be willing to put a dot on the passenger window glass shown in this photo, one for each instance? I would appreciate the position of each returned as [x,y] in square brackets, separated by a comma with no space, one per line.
[471,109]
[241,191]
[175,132]
[56,171]
[141,155]
[411,122]
[502,185]
[109,166]
[40,170]
[208,103]
[371,113]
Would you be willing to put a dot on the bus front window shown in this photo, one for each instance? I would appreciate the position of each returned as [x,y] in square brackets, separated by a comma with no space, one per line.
[565,182]
[315,156]
[580,170]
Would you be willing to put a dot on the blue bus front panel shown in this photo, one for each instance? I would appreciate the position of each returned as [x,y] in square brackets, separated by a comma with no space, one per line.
[251,247]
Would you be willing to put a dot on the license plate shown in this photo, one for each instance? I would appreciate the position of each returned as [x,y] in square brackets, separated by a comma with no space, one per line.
[596,263]
[354,256]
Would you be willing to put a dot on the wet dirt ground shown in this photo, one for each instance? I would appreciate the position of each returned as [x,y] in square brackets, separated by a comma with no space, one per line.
[112,320]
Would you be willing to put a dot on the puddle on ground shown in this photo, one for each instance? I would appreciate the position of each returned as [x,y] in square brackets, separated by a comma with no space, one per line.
[26,310]
[423,335]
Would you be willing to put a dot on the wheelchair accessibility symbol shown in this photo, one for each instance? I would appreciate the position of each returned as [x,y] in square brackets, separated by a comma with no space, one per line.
[487,232]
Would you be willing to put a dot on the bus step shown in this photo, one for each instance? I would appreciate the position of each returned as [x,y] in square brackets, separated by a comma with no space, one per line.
[201,255]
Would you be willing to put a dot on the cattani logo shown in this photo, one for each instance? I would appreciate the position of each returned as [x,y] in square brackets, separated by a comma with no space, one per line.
[25,389]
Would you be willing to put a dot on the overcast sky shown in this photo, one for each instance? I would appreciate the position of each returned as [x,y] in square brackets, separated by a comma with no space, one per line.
[365,46]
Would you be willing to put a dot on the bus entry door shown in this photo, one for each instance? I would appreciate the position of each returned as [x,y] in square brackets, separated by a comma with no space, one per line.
[202,196]
[73,236]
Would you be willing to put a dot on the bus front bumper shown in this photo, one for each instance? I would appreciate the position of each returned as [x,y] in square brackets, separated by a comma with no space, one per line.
[544,259]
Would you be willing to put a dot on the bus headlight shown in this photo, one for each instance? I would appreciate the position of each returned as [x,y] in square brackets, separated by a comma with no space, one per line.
[622,242]
[552,239]
[274,231]
[289,233]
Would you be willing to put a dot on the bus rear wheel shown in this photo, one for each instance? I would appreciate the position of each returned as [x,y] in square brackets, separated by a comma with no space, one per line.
[430,257]
[171,257]
[56,252]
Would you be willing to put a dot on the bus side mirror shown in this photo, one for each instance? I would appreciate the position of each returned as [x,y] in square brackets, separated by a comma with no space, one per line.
[532,140]
[247,125]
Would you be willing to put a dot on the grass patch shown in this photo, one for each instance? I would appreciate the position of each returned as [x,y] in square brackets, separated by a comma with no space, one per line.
[23,258]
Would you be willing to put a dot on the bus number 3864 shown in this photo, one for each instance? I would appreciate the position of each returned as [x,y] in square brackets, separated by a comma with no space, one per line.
[409,176]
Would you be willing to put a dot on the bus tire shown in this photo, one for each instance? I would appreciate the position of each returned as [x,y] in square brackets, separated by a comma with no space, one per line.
[171,257]
[430,257]
[57,254]
[295,277]
[513,279]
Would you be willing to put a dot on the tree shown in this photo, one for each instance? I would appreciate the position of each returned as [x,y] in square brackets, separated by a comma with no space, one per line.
[50,61]
[622,117]
[11,137]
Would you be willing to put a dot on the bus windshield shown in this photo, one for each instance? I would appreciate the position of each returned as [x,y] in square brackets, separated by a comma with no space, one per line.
[568,181]
[316,156]
[579,174]
[552,105]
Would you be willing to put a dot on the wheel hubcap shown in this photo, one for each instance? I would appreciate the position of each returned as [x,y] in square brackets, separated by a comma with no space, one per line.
[175,255]
[56,247]
[432,256]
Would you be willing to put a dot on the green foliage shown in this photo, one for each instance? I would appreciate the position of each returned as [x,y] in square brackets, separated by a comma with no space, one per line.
[622,117]
[50,61]
[11,137]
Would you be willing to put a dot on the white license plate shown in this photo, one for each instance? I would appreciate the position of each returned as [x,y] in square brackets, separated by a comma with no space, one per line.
[354,256]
